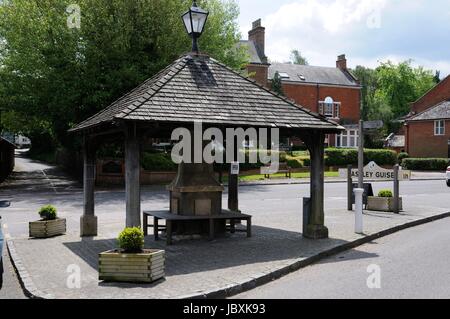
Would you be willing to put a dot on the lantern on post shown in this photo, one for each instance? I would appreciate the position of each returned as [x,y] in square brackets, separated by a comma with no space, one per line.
[194,21]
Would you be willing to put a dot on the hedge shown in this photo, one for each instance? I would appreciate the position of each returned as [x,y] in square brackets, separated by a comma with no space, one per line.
[343,157]
[426,164]
[158,162]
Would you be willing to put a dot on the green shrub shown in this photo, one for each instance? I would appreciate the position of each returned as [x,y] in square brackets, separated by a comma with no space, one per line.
[386,193]
[345,156]
[306,162]
[426,164]
[131,240]
[294,163]
[381,157]
[48,212]
[158,162]
[341,157]
[402,156]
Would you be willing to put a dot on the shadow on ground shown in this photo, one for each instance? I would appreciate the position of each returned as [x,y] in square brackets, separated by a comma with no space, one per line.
[189,257]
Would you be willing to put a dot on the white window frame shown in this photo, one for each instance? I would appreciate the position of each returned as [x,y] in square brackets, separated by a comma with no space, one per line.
[439,128]
[348,136]
[325,108]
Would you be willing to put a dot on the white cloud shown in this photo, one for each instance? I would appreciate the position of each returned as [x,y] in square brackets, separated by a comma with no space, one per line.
[330,16]
[367,31]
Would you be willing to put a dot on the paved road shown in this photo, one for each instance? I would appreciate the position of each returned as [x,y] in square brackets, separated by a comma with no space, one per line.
[35,184]
[414,263]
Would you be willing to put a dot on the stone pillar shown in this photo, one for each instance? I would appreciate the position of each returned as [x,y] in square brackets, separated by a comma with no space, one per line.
[132,178]
[88,224]
[316,227]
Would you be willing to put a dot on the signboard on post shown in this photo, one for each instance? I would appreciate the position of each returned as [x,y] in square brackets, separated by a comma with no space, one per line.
[374,172]
[373,125]
[235,168]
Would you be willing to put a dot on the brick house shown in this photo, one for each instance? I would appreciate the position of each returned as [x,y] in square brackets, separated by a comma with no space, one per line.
[427,127]
[331,91]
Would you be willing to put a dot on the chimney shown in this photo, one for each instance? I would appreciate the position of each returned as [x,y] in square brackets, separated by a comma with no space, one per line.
[341,62]
[258,36]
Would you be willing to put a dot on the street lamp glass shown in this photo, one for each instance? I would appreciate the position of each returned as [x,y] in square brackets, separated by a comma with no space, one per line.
[194,20]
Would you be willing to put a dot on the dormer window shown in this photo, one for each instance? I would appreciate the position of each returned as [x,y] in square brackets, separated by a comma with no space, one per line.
[301,77]
[284,75]
[330,108]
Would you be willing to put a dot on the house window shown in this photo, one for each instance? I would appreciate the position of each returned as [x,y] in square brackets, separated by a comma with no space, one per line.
[439,128]
[348,139]
[329,108]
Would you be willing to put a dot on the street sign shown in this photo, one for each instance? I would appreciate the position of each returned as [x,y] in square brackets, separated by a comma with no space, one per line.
[374,172]
[373,125]
[235,168]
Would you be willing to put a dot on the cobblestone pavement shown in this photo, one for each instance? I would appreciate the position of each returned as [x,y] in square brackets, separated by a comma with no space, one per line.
[200,266]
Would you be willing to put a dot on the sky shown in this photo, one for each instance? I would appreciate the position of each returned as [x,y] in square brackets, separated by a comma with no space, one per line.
[367,31]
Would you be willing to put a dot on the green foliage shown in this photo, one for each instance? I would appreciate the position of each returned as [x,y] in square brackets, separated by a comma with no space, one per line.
[297,58]
[381,157]
[48,212]
[277,85]
[426,164]
[52,77]
[387,193]
[294,163]
[343,157]
[402,156]
[131,240]
[158,162]
[389,89]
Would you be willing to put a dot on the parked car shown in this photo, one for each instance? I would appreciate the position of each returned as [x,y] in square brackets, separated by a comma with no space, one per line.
[448,176]
[1,254]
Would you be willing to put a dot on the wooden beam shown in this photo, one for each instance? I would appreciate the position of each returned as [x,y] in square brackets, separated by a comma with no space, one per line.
[132,177]
[88,223]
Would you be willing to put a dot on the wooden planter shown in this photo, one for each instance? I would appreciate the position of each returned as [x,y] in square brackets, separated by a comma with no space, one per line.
[383,204]
[47,228]
[145,267]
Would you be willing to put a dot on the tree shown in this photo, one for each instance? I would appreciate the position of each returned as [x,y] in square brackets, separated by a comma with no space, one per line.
[277,84]
[53,76]
[297,58]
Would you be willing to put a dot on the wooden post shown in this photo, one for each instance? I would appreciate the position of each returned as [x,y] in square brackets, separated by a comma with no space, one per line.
[349,188]
[316,227]
[132,178]
[233,185]
[396,190]
[233,191]
[88,222]
[361,155]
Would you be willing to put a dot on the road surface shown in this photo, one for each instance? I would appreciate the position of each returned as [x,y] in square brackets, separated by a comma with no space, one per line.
[414,263]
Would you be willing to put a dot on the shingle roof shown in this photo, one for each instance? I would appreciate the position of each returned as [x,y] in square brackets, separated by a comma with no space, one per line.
[437,112]
[201,89]
[313,74]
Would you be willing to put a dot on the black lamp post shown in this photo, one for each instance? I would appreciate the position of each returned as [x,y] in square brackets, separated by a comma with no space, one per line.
[194,21]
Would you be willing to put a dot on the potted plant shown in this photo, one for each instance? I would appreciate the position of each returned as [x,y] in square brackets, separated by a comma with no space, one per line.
[384,202]
[49,225]
[131,262]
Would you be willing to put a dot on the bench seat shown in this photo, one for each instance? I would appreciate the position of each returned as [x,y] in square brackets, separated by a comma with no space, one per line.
[170,218]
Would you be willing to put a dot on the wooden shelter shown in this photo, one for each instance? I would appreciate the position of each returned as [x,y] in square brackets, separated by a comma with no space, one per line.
[198,88]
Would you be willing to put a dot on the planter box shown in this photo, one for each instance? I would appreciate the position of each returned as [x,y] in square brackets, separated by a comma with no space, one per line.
[145,267]
[47,228]
[383,204]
